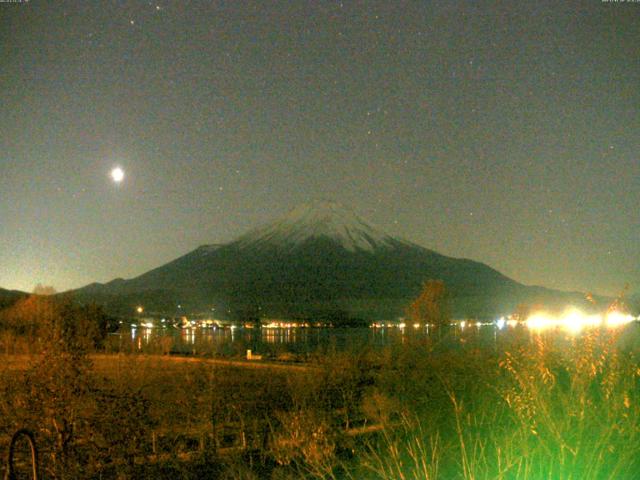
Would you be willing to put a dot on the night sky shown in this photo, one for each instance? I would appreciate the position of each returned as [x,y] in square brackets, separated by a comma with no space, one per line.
[506,132]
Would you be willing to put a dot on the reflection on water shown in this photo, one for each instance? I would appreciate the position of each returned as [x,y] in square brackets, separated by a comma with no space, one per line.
[266,340]
[304,341]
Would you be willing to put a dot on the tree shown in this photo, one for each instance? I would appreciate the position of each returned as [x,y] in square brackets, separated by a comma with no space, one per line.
[522,312]
[84,424]
[42,321]
[44,290]
[431,306]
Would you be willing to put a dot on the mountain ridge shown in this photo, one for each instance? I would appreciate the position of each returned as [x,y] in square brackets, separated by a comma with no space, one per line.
[9,297]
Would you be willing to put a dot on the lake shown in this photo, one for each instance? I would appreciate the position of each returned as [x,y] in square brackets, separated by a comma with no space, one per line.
[299,343]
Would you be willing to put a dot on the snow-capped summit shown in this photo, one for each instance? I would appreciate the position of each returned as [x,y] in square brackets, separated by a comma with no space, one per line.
[328,220]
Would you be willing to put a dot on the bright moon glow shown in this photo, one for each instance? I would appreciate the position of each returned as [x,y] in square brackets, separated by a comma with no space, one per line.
[117,174]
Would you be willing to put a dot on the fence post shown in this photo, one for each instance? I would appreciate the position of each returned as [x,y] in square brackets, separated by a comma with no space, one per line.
[154,444]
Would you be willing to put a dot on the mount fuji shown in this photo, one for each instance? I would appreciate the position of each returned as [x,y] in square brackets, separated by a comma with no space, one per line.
[320,260]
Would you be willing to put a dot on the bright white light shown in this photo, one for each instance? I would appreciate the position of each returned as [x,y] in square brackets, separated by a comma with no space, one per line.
[117,174]
[500,323]
[539,321]
[615,319]
[574,321]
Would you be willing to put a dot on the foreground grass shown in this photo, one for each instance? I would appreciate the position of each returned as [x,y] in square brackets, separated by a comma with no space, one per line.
[537,407]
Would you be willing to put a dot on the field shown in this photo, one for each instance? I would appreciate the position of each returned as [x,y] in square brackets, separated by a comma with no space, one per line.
[544,406]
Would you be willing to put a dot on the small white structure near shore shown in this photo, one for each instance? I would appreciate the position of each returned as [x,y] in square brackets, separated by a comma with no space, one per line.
[252,356]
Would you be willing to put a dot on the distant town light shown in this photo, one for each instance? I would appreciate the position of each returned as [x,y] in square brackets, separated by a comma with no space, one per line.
[614,319]
[574,321]
[139,309]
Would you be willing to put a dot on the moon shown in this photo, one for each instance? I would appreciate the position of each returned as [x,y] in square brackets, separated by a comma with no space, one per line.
[117,175]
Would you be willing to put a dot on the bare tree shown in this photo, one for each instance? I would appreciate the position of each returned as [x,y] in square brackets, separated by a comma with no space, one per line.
[431,306]
[44,290]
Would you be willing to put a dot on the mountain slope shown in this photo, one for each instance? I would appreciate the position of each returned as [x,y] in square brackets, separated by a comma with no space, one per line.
[317,259]
[9,297]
